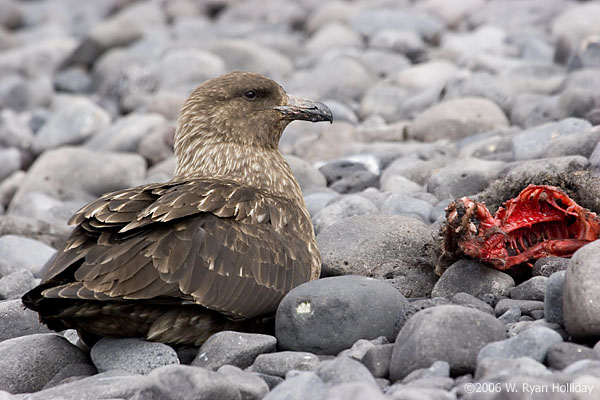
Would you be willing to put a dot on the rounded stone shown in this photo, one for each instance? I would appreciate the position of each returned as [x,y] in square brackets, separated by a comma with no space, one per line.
[361,244]
[448,332]
[457,119]
[473,278]
[329,315]
[133,355]
[581,302]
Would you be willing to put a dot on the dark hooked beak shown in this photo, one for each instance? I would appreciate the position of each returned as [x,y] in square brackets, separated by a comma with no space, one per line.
[306,110]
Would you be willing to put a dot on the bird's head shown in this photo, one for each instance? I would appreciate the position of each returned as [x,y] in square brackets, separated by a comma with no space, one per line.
[243,108]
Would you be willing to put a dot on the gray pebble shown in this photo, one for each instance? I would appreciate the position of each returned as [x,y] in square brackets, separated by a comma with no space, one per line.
[29,362]
[280,363]
[250,386]
[16,284]
[73,80]
[377,360]
[482,280]
[301,386]
[467,300]
[125,134]
[329,315]
[402,204]
[553,301]
[490,367]
[133,355]
[342,209]
[355,391]
[510,316]
[547,266]
[18,321]
[582,293]
[357,245]
[73,121]
[532,289]
[463,178]
[308,176]
[344,370]
[70,373]
[563,354]
[533,342]
[526,306]
[20,253]
[233,348]
[451,333]
[439,369]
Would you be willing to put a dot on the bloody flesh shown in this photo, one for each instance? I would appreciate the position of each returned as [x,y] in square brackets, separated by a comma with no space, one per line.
[541,221]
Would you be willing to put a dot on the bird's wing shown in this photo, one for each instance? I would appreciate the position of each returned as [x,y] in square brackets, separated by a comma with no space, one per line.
[221,244]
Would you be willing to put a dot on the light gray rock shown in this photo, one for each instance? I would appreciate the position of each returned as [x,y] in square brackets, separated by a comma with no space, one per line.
[133,355]
[300,386]
[20,253]
[250,386]
[15,284]
[18,321]
[69,173]
[282,362]
[125,134]
[533,342]
[307,175]
[184,69]
[346,207]
[344,370]
[582,293]
[29,362]
[553,299]
[456,119]
[233,348]
[73,121]
[498,367]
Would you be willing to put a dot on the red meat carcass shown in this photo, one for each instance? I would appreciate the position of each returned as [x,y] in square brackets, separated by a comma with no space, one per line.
[541,221]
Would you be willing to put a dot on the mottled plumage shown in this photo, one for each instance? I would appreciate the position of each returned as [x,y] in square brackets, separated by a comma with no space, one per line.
[215,248]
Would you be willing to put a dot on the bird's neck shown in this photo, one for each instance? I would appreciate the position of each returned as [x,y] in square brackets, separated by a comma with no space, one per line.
[261,168]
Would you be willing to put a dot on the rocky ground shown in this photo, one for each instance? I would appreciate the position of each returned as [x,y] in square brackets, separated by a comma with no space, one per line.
[432,99]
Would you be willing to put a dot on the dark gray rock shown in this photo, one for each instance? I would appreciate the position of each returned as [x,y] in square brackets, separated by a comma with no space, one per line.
[490,367]
[29,362]
[582,293]
[355,391]
[465,299]
[526,306]
[464,177]
[361,346]
[377,360]
[533,342]
[355,182]
[300,386]
[12,14]
[553,300]
[73,121]
[532,289]
[329,315]
[16,284]
[481,280]
[18,321]
[527,170]
[280,363]
[362,244]
[342,209]
[271,380]
[344,370]
[451,333]
[233,348]
[179,382]
[570,136]
[250,386]
[578,97]
[563,354]
[133,355]
[339,169]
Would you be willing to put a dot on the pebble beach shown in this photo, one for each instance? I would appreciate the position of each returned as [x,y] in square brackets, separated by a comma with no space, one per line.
[432,100]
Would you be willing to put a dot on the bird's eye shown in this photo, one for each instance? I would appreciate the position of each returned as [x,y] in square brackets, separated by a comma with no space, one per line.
[250,95]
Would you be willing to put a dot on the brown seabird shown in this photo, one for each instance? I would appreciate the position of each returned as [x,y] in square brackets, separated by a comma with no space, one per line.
[214,248]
